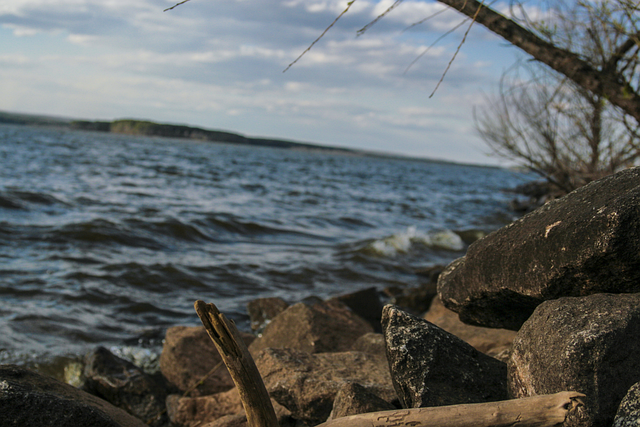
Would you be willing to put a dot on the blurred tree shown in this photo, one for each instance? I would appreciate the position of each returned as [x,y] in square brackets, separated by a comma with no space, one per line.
[565,130]
[554,127]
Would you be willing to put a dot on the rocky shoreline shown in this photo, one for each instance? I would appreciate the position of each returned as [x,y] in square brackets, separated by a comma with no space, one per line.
[562,283]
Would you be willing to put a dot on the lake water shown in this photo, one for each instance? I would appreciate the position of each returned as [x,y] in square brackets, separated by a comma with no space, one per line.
[109,239]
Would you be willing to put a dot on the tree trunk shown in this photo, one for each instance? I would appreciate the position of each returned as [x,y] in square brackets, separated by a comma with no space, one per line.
[606,82]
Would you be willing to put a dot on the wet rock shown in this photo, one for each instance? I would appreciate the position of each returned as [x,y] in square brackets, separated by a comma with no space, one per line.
[628,414]
[30,399]
[372,343]
[353,399]
[584,243]
[306,384]
[494,342]
[365,303]
[316,328]
[588,344]
[126,386]
[189,411]
[431,367]
[188,355]
[262,310]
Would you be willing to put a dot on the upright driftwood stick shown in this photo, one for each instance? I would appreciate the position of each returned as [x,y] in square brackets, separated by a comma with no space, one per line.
[537,411]
[240,364]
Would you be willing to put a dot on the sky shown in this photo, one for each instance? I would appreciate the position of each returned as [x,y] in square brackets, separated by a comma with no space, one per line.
[219,64]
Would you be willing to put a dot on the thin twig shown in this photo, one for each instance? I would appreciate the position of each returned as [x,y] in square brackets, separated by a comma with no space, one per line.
[362,30]
[422,21]
[176,5]
[321,35]
[434,43]
[459,47]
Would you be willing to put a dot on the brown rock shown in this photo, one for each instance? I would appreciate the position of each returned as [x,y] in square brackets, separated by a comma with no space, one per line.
[306,384]
[486,340]
[588,344]
[316,328]
[262,310]
[372,343]
[431,367]
[190,411]
[365,303]
[584,243]
[353,399]
[188,355]
[30,399]
[202,411]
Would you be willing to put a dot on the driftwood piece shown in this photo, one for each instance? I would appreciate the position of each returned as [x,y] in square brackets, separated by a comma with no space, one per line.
[537,411]
[243,370]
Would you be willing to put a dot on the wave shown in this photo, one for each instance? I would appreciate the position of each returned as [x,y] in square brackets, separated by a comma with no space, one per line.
[404,241]
[23,200]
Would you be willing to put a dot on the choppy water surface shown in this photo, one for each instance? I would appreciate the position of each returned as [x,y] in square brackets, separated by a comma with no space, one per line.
[108,239]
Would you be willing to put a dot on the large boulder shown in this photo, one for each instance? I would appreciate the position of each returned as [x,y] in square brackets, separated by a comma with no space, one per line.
[587,344]
[306,384]
[313,328]
[628,414]
[126,386]
[584,243]
[491,341]
[30,399]
[188,355]
[431,367]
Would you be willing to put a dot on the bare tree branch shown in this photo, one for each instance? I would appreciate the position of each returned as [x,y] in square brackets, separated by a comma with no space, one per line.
[321,35]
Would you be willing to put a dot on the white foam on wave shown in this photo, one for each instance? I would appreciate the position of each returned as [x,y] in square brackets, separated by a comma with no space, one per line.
[403,241]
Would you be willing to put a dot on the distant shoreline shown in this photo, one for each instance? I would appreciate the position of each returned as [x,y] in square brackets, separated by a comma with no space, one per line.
[165,130]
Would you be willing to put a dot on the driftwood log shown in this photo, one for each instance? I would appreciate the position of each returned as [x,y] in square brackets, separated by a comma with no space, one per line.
[537,411]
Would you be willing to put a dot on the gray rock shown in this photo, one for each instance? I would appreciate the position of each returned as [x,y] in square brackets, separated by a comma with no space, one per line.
[588,344]
[306,384]
[628,414]
[316,328]
[126,386]
[584,243]
[30,399]
[353,399]
[431,367]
